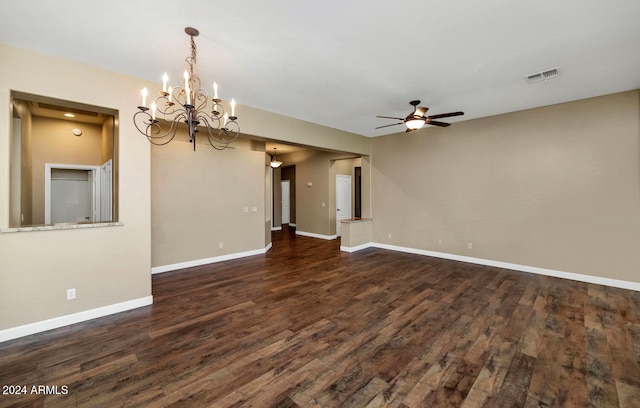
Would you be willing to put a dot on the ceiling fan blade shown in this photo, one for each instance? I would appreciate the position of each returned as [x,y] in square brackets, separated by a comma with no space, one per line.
[389,117]
[436,123]
[421,110]
[445,115]
[393,124]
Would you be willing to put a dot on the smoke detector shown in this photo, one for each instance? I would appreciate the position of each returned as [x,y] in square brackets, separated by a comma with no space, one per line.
[543,75]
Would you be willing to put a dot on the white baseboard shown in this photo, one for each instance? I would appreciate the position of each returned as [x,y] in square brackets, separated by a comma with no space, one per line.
[61,321]
[42,326]
[276,228]
[357,247]
[616,283]
[314,235]
[292,225]
[205,261]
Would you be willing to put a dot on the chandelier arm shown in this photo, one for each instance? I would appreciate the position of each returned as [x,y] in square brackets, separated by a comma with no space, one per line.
[170,133]
[221,136]
[210,122]
[162,143]
[171,115]
[165,107]
[211,130]
[201,98]
[231,131]
[151,128]
[176,99]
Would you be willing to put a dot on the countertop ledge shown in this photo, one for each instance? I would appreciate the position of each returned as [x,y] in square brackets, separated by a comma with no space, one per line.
[354,220]
[62,226]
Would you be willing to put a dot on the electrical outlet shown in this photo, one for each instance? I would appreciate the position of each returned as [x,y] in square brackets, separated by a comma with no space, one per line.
[71,293]
[470,245]
[245,209]
[221,245]
[389,236]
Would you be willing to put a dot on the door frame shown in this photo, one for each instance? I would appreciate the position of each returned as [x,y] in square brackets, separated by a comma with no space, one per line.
[95,175]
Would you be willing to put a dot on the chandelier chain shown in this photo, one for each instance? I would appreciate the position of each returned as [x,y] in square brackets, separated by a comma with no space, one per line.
[192,59]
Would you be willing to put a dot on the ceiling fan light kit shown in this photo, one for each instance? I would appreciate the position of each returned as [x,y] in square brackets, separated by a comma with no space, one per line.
[417,119]
[415,123]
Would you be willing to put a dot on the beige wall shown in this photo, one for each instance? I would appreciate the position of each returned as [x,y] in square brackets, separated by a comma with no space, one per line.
[269,125]
[110,143]
[311,167]
[556,187]
[198,200]
[97,261]
[107,266]
[318,168]
[107,130]
[22,209]
[366,186]
[54,142]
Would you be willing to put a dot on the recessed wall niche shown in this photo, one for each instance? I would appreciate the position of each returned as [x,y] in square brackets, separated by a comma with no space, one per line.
[64,162]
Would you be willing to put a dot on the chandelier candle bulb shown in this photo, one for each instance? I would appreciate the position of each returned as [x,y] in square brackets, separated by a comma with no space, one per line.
[144,97]
[215,90]
[233,107]
[226,119]
[186,87]
[153,110]
[165,79]
[170,94]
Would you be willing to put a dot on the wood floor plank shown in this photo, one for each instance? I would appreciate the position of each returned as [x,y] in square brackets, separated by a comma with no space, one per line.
[306,325]
[514,389]
[491,376]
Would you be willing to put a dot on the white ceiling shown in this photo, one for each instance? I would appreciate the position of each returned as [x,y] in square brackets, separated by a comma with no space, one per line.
[340,63]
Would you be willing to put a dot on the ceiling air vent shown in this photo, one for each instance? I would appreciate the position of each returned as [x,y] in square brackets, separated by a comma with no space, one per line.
[543,76]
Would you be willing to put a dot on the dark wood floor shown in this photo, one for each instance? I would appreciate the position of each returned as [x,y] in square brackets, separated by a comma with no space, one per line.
[308,326]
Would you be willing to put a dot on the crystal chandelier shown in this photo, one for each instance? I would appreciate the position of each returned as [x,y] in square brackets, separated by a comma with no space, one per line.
[188,103]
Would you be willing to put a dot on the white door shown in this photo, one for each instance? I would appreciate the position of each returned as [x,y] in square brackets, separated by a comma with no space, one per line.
[343,200]
[106,192]
[286,201]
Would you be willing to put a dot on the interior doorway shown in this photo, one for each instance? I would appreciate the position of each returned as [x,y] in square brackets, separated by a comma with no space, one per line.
[343,200]
[285,188]
[71,196]
[77,193]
